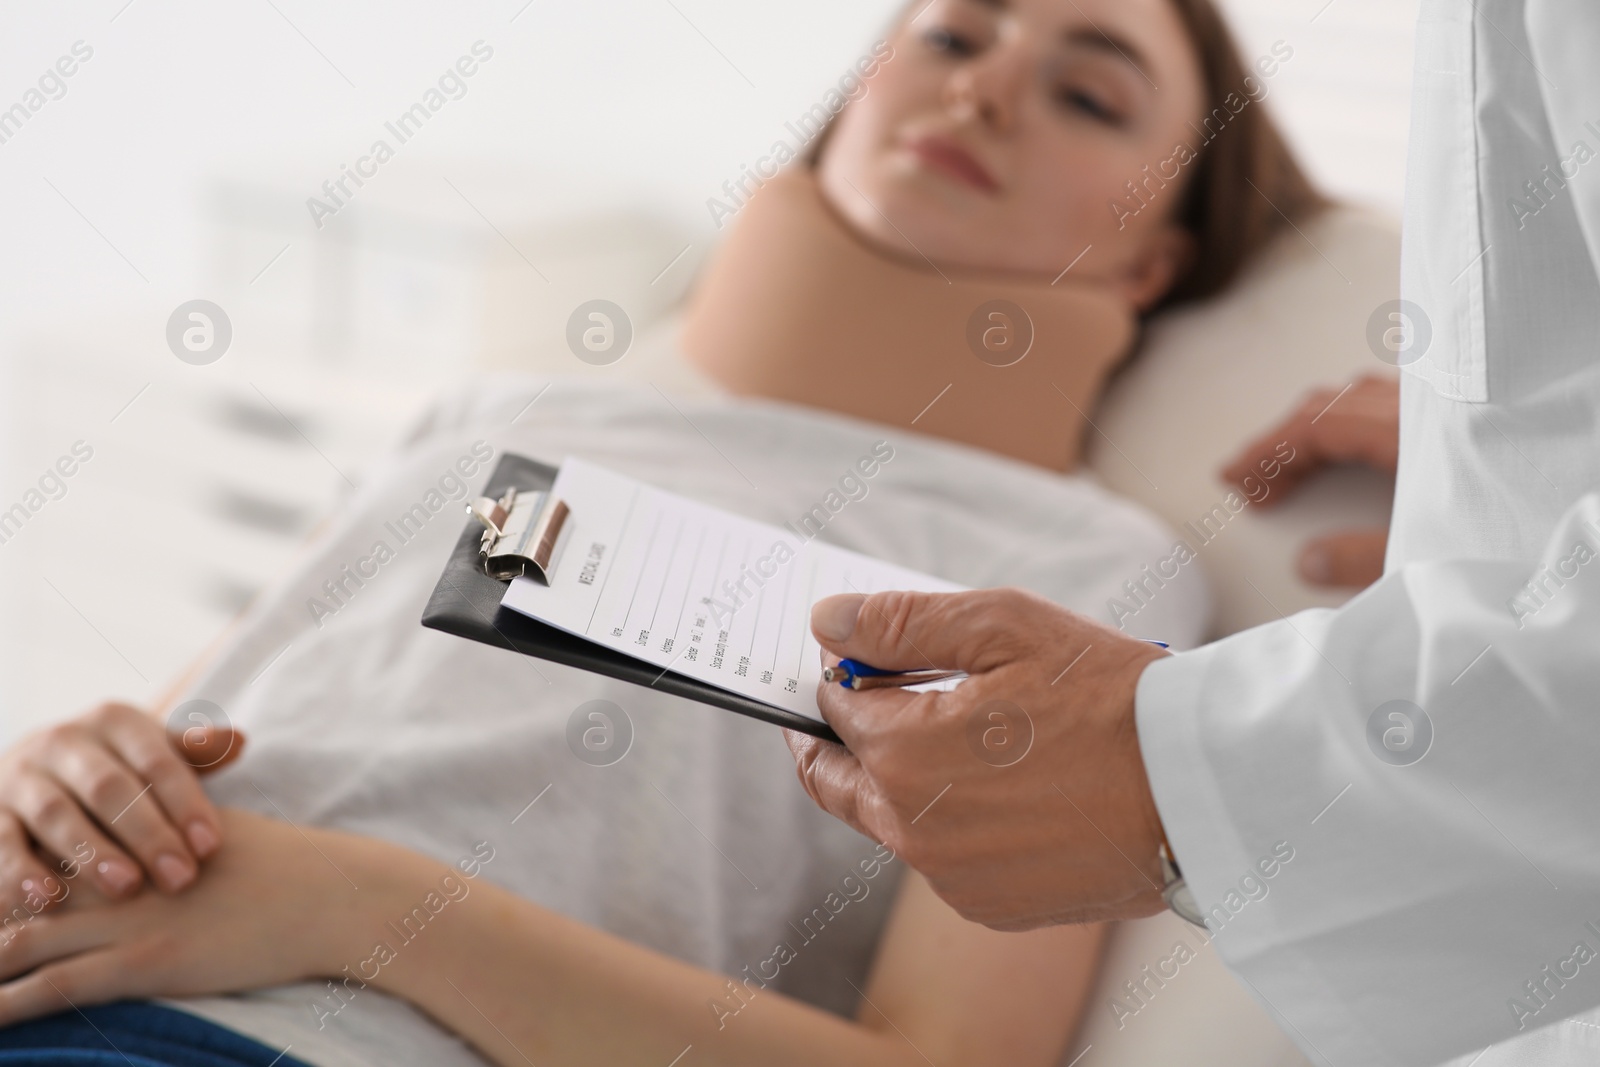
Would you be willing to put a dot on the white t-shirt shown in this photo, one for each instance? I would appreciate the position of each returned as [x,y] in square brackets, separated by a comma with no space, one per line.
[360,719]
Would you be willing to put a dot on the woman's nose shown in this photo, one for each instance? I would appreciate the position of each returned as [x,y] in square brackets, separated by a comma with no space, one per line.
[988,87]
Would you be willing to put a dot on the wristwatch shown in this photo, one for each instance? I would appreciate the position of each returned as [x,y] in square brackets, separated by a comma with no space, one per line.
[1176,892]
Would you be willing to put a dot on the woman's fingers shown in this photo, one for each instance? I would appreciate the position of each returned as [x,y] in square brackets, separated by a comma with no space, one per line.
[94,977]
[58,823]
[113,791]
[1352,558]
[208,749]
[1359,423]
[43,939]
[1362,424]
[27,885]
[151,754]
[123,803]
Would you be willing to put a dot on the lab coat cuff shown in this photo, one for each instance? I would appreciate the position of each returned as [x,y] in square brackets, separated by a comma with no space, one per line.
[1194,811]
[1198,813]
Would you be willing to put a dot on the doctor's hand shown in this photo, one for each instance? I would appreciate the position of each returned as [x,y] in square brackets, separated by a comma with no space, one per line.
[1358,424]
[112,790]
[1021,794]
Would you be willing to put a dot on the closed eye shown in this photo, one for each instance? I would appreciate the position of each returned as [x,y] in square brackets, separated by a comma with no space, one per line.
[1089,104]
[948,42]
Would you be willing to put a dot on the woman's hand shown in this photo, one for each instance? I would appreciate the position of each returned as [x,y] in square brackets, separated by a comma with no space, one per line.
[104,785]
[1358,424]
[279,904]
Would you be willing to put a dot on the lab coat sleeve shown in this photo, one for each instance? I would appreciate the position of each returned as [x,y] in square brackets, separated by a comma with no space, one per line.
[1428,756]
[1444,874]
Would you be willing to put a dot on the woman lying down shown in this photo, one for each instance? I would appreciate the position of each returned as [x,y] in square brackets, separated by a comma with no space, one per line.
[411,864]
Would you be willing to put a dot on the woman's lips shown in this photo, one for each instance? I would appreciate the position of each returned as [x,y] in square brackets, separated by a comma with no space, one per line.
[950,159]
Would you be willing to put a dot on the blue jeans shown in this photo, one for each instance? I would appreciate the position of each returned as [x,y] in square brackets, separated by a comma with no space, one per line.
[132,1034]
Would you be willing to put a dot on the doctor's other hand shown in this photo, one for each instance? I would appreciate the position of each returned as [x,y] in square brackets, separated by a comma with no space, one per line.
[113,792]
[1020,794]
[1357,424]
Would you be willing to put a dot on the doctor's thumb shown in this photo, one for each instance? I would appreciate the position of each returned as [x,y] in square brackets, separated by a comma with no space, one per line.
[903,630]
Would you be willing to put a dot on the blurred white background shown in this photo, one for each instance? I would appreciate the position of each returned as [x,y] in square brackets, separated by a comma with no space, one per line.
[577,164]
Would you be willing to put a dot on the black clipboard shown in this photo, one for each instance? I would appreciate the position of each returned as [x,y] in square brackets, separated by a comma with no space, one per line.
[466,603]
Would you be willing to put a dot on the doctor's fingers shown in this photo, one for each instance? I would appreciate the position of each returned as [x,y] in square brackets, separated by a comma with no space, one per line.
[861,716]
[1357,423]
[972,631]
[833,777]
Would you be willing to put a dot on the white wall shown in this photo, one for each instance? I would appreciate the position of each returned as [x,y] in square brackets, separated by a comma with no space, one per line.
[617,100]
[1345,96]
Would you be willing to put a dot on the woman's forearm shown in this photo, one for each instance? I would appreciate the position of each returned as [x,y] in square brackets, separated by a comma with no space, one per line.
[526,985]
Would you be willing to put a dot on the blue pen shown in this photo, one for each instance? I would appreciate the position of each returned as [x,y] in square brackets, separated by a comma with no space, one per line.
[853,674]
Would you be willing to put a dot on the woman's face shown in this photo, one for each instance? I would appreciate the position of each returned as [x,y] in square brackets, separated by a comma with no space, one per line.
[1001,132]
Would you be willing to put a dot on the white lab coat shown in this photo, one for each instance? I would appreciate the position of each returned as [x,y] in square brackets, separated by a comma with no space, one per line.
[1425,901]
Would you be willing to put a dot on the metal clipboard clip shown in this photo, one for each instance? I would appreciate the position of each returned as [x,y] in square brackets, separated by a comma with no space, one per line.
[524,533]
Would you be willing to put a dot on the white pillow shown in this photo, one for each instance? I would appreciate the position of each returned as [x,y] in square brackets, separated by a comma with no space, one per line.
[1211,377]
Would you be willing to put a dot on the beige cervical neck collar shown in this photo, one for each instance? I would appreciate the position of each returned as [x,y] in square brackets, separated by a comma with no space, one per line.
[795,307]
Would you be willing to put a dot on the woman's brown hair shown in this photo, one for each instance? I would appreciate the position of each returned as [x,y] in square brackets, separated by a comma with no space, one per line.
[1247,185]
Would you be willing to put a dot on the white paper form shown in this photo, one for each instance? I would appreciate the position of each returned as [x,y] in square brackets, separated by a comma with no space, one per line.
[696,590]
